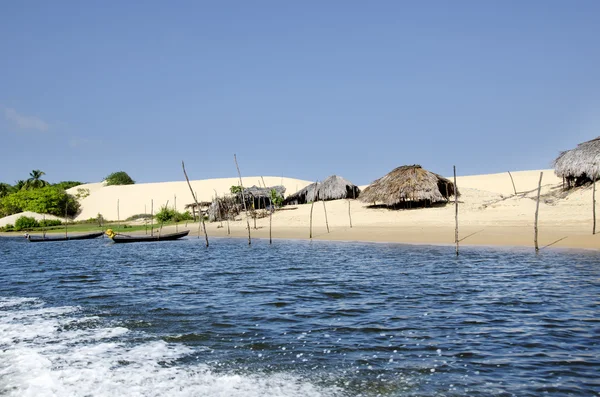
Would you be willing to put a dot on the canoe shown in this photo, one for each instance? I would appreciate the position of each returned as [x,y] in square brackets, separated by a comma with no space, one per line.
[121,238]
[38,239]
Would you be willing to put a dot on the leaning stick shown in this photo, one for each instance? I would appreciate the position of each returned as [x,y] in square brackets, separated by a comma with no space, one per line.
[243,198]
[270,215]
[196,201]
[537,207]
[325,209]
[513,182]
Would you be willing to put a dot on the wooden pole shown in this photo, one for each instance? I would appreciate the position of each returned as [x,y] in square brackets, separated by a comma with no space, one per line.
[311,212]
[455,212]
[594,205]
[349,214]
[513,182]
[145,219]
[152,217]
[161,222]
[175,208]
[197,205]
[243,198]
[537,207]
[67,219]
[325,209]
[44,227]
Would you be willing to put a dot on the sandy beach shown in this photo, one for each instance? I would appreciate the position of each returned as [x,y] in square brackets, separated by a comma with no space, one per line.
[489,212]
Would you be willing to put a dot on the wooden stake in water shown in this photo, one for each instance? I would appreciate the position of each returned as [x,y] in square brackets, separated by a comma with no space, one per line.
[66,217]
[195,196]
[455,212]
[537,207]
[349,214]
[152,217]
[243,198]
[175,208]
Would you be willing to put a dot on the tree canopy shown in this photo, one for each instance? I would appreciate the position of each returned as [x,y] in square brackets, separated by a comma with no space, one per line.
[119,178]
[45,200]
[35,180]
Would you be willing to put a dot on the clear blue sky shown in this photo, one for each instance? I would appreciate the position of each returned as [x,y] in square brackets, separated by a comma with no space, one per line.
[305,89]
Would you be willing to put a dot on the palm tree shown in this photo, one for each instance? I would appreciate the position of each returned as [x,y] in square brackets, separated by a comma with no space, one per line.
[5,189]
[35,180]
[20,184]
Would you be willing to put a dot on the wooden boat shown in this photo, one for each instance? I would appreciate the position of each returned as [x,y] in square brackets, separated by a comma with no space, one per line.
[122,238]
[38,239]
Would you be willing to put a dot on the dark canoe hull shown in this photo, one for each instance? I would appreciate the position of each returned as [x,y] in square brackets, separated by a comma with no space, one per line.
[119,238]
[39,239]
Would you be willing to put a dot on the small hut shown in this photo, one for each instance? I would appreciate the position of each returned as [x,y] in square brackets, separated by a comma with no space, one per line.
[303,196]
[260,197]
[333,188]
[409,186]
[580,165]
[202,210]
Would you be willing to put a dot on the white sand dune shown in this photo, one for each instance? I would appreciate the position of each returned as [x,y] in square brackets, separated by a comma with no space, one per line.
[489,212]
[135,199]
[11,219]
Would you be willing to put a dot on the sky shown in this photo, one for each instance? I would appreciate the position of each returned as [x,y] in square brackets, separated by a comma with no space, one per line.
[302,89]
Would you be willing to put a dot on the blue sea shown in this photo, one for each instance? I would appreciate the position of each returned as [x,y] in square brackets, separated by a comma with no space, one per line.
[296,318]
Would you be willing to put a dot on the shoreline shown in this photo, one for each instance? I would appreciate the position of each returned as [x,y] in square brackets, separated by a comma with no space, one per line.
[489,214]
[471,236]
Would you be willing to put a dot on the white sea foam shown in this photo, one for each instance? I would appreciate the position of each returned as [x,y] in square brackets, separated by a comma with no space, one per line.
[46,351]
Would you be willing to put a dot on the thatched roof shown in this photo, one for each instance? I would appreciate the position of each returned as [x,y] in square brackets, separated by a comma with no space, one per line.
[408,183]
[581,162]
[303,196]
[260,192]
[333,188]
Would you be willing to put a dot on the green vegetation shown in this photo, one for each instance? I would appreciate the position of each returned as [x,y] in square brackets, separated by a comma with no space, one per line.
[5,189]
[35,180]
[119,178]
[139,216]
[25,223]
[46,200]
[169,214]
[276,199]
[235,189]
[67,184]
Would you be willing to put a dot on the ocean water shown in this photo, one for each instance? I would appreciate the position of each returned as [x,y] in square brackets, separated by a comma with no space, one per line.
[298,318]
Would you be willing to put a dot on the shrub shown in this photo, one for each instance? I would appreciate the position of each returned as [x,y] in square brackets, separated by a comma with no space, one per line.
[169,214]
[165,214]
[183,216]
[119,178]
[26,222]
[82,193]
[139,216]
[46,200]
[64,185]
[49,222]
[7,228]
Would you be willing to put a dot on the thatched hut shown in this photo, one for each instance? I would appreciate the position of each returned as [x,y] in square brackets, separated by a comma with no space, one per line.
[580,165]
[333,188]
[409,186]
[260,197]
[202,210]
[303,196]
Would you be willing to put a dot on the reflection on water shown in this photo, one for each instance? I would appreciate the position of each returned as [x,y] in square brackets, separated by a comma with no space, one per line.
[296,319]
